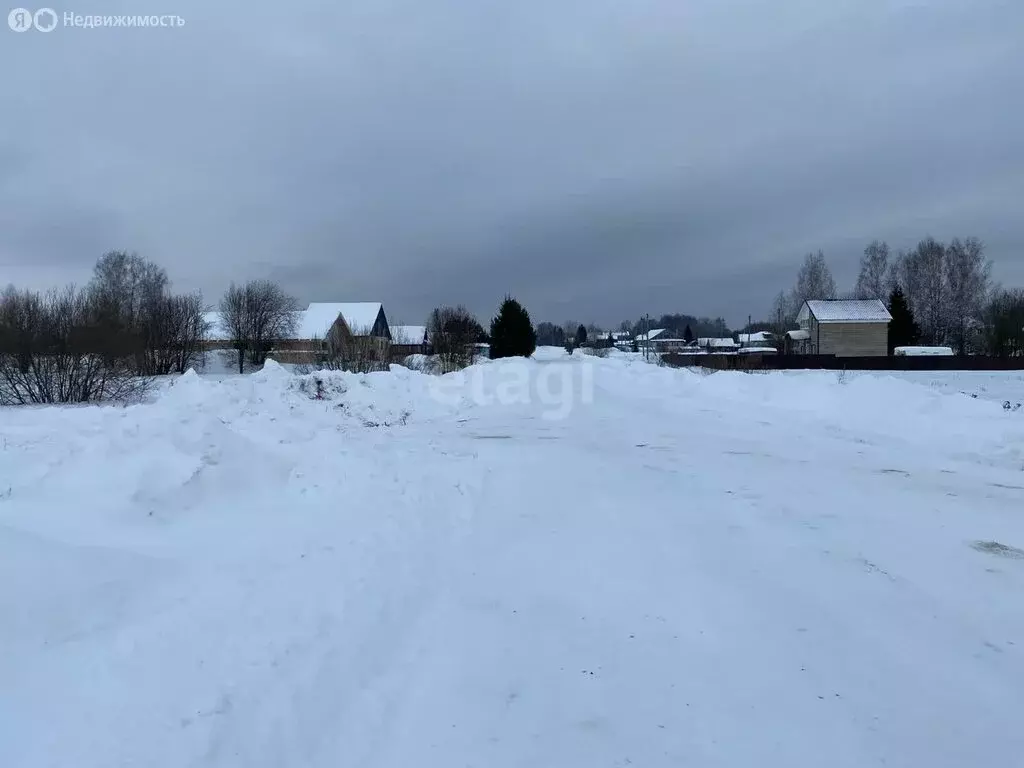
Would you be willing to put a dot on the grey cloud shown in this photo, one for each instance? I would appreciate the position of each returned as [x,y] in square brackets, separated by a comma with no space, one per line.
[600,159]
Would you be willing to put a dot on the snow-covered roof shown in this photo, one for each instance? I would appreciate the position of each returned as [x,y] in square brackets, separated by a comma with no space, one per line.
[716,343]
[758,337]
[318,318]
[650,335]
[845,311]
[924,351]
[315,321]
[757,351]
[408,334]
[799,335]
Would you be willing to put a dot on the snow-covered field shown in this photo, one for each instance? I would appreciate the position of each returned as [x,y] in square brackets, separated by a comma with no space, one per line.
[562,562]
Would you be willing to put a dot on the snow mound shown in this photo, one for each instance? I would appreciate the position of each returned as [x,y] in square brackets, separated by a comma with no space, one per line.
[272,371]
[397,569]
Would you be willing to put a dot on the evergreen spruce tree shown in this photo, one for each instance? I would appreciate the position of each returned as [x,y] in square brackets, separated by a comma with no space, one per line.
[903,330]
[687,335]
[512,333]
[581,336]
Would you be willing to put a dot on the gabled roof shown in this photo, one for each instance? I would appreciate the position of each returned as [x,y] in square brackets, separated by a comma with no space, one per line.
[719,343]
[319,317]
[315,321]
[650,335]
[845,311]
[408,334]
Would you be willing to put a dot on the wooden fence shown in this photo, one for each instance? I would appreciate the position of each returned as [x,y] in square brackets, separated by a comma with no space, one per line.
[832,363]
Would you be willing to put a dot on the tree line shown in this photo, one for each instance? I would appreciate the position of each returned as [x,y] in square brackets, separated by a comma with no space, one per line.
[109,339]
[938,294]
[676,325]
[103,341]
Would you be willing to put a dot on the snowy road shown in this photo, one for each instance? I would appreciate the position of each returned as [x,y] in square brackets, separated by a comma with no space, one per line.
[725,570]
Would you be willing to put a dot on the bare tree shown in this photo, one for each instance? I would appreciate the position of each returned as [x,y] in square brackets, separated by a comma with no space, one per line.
[893,276]
[58,349]
[126,288]
[453,332]
[814,280]
[967,281]
[783,312]
[923,277]
[255,316]
[131,295]
[358,352]
[176,331]
[874,272]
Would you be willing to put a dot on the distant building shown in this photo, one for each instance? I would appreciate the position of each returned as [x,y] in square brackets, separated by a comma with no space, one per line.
[650,335]
[717,346]
[855,328]
[798,342]
[757,339]
[321,328]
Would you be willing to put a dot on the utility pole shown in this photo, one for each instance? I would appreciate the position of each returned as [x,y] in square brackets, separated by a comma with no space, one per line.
[647,338]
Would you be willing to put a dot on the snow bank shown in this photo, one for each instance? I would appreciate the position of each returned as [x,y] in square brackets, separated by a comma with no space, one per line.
[924,351]
[399,569]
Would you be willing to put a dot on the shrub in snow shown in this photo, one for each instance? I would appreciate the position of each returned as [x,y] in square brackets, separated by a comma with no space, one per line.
[61,348]
[362,352]
[453,333]
[512,333]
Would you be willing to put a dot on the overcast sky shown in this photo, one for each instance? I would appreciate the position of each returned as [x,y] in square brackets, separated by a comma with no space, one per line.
[596,158]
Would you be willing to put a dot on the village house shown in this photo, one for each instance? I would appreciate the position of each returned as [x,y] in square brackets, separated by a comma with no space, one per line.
[323,328]
[660,340]
[845,328]
[717,346]
[756,339]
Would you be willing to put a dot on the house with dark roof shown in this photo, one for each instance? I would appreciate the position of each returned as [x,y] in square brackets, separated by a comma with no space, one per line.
[855,328]
[323,328]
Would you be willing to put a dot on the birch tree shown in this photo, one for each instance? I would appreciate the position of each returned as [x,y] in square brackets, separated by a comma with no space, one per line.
[968,278]
[874,272]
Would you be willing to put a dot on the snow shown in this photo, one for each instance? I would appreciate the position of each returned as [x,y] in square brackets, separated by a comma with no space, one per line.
[758,337]
[564,561]
[925,351]
[845,311]
[318,317]
[717,343]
